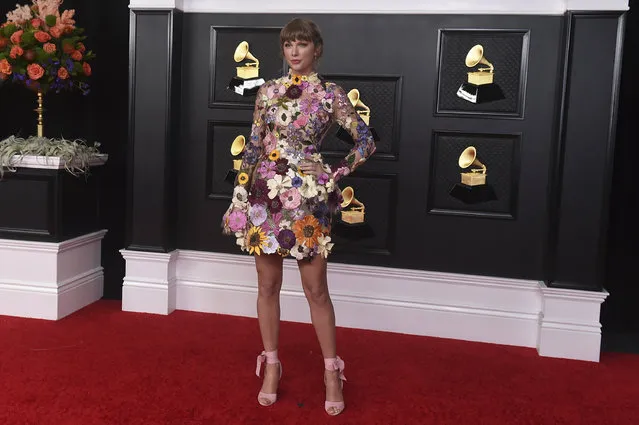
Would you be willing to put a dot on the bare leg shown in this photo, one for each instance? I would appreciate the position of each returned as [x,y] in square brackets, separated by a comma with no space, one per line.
[269,280]
[315,283]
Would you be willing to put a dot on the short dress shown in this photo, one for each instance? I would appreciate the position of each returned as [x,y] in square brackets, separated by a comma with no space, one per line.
[276,208]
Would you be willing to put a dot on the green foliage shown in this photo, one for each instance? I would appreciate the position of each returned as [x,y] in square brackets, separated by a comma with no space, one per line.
[75,154]
[9,30]
[50,20]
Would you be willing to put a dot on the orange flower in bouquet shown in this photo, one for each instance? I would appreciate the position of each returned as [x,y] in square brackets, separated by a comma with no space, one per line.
[43,49]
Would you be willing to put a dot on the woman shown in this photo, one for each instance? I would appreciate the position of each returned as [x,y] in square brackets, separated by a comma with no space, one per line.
[285,195]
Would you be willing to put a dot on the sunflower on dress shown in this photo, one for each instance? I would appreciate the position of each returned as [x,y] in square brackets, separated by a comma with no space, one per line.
[276,208]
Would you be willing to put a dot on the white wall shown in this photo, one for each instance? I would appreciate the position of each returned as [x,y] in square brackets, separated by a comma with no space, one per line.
[515,7]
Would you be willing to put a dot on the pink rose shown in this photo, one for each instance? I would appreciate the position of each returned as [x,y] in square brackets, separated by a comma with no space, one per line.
[87,69]
[35,71]
[42,36]
[63,73]
[16,51]
[49,48]
[5,67]
[76,56]
[16,37]
[36,23]
[56,31]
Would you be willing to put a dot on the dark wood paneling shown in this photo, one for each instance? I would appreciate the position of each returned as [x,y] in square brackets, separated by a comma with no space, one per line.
[155,54]
[582,177]
[379,47]
[48,205]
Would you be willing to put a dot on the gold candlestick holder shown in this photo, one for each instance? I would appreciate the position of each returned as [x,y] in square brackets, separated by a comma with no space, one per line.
[40,110]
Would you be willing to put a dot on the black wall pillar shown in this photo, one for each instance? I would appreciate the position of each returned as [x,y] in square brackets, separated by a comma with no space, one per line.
[154,127]
[583,170]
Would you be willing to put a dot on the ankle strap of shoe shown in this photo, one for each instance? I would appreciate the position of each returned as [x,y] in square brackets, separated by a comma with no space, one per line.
[336,363]
[270,357]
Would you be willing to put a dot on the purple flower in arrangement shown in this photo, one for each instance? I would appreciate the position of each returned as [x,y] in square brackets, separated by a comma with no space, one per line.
[293,92]
[286,239]
[297,181]
[259,192]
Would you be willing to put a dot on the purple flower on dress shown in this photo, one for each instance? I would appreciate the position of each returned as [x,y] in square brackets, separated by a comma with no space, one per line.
[323,178]
[259,193]
[275,205]
[321,213]
[286,239]
[334,200]
[310,149]
[267,169]
[281,166]
[258,214]
[294,92]
[237,221]
[297,181]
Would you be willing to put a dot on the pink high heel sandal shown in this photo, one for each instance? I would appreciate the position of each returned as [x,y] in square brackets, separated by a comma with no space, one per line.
[334,408]
[270,357]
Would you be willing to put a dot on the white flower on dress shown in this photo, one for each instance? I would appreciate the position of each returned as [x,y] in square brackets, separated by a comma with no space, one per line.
[330,185]
[271,245]
[240,197]
[241,240]
[309,187]
[284,117]
[278,184]
[257,214]
[316,157]
[299,251]
[324,245]
[322,193]
[285,224]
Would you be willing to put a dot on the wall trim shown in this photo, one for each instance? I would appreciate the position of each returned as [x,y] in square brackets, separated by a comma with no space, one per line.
[515,7]
[49,280]
[557,322]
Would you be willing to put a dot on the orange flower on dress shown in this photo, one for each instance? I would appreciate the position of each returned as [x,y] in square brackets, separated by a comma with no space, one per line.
[307,230]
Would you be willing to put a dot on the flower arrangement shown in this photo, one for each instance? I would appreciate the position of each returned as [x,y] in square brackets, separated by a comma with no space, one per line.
[43,49]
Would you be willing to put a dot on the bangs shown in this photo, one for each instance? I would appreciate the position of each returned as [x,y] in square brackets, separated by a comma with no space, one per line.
[299,30]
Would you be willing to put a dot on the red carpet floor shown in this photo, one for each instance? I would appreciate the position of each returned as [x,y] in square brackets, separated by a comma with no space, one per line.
[105,366]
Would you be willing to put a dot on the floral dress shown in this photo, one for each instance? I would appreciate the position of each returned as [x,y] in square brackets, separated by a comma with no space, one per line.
[276,208]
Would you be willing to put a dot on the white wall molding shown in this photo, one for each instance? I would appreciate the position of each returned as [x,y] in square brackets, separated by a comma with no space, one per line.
[48,280]
[474,308]
[513,7]
[149,283]
[570,321]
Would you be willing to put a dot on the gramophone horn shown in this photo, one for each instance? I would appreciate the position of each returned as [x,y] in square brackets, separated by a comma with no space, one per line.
[353,96]
[348,195]
[476,56]
[242,52]
[237,147]
[469,157]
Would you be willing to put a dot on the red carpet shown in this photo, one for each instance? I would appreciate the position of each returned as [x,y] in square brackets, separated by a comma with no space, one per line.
[105,366]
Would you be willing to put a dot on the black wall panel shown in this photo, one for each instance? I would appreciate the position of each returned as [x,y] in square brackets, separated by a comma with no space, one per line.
[394,61]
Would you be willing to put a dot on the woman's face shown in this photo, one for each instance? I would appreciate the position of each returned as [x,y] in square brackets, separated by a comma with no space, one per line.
[300,55]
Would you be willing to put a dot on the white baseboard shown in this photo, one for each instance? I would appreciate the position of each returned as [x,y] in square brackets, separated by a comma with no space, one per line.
[473,308]
[47,280]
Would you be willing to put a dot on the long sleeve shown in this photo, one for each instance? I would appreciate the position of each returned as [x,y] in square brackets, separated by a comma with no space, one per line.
[254,145]
[347,117]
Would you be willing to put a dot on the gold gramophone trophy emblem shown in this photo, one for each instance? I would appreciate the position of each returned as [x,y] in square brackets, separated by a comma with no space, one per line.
[473,187]
[352,209]
[480,86]
[237,148]
[247,80]
[363,111]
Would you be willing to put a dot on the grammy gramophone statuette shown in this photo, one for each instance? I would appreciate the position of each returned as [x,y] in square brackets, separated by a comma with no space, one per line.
[480,86]
[351,224]
[363,111]
[473,187]
[247,80]
[237,148]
